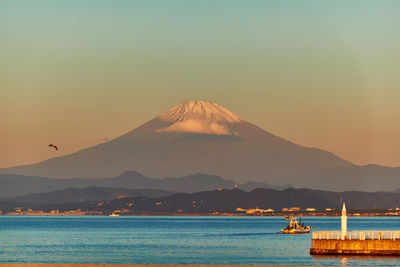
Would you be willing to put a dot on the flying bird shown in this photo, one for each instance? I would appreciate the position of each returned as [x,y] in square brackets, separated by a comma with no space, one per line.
[51,146]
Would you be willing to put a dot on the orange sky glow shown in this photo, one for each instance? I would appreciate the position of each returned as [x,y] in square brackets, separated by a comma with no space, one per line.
[320,74]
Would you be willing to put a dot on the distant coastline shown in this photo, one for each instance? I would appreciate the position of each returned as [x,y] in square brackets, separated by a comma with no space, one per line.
[354,213]
[118,265]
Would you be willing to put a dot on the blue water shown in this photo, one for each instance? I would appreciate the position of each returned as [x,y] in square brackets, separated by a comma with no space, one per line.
[173,240]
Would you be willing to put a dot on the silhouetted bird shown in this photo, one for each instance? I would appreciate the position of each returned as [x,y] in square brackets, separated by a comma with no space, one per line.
[53,146]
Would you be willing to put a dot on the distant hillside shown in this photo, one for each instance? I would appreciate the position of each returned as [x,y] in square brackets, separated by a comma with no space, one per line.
[18,185]
[229,200]
[370,178]
[71,195]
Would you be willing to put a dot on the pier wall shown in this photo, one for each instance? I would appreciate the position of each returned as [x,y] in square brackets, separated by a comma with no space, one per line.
[355,247]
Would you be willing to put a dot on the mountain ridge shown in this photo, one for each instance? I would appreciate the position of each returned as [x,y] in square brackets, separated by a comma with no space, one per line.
[226,201]
[241,152]
[19,185]
[93,193]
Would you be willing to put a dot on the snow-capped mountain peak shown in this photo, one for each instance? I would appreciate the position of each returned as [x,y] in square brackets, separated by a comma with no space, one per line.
[200,110]
[199,117]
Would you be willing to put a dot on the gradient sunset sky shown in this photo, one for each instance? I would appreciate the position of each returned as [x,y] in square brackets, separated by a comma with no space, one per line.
[322,74]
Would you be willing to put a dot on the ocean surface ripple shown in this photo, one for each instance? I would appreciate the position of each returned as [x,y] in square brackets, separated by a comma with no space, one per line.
[174,240]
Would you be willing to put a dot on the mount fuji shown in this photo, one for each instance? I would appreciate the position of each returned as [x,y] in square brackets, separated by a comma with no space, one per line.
[193,137]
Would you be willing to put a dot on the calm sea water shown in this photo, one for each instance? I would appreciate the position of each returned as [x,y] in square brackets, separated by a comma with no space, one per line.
[173,240]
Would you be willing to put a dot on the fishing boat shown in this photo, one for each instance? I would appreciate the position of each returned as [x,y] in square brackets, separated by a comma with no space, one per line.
[295,227]
[113,215]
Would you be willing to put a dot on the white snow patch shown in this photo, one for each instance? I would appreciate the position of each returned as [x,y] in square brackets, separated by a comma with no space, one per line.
[199,117]
[197,126]
[200,110]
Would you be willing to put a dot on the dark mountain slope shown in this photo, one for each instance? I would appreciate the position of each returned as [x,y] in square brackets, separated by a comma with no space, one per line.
[370,178]
[18,185]
[229,201]
[71,195]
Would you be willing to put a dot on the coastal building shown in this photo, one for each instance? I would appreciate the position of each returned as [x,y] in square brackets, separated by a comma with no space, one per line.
[294,209]
[258,211]
[240,209]
[254,210]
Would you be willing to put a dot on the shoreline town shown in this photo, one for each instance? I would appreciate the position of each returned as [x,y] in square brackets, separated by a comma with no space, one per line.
[116,213]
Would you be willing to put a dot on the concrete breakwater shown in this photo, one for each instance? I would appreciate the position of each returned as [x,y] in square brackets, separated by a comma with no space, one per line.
[372,243]
[343,242]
